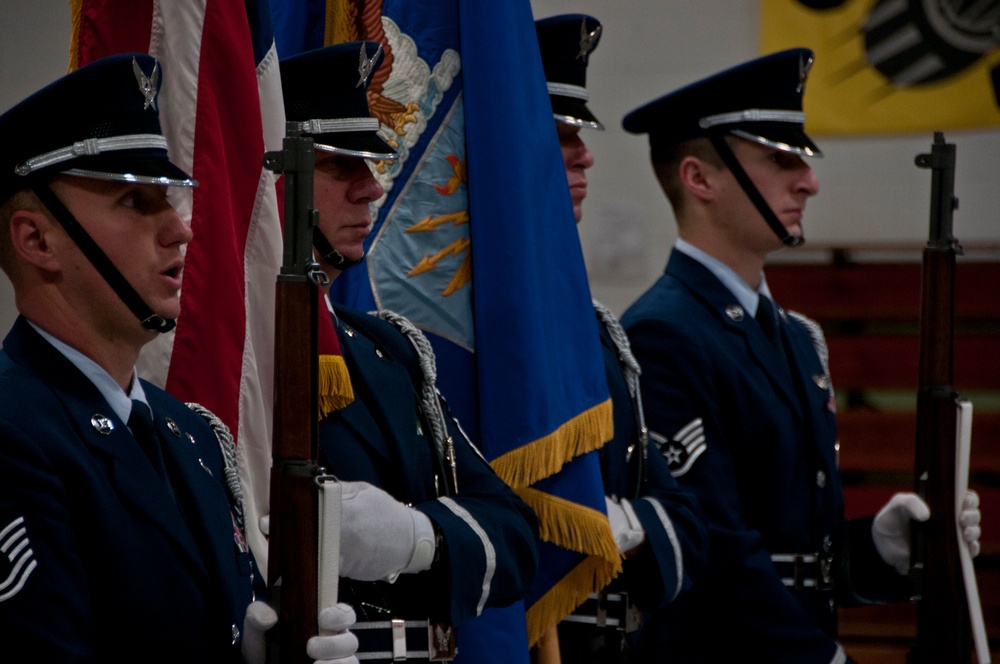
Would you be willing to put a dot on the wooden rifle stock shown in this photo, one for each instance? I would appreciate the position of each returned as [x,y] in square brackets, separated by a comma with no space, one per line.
[292,543]
[943,627]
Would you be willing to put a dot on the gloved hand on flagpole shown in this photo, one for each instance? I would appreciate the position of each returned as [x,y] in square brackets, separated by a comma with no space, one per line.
[380,537]
[625,524]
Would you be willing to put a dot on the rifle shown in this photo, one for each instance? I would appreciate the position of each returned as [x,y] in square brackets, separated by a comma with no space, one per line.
[293,539]
[943,624]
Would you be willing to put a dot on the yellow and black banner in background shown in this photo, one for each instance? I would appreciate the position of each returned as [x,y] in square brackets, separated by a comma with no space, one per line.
[892,66]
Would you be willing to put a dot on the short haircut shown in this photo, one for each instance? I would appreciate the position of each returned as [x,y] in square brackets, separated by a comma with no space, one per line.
[23,199]
[666,164]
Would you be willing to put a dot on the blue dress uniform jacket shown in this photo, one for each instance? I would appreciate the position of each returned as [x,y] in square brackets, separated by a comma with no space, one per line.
[98,564]
[757,444]
[674,553]
[487,553]
[676,538]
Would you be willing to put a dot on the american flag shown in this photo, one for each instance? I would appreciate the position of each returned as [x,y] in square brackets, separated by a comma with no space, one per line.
[220,107]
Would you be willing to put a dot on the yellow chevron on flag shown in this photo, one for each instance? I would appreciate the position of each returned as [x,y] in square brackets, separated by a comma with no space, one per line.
[891,66]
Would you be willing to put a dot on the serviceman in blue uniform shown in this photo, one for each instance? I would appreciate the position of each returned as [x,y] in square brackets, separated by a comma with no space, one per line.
[430,536]
[658,527]
[736,389]
[121,533]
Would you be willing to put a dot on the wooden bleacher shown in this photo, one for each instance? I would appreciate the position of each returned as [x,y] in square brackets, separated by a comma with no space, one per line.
[867,298]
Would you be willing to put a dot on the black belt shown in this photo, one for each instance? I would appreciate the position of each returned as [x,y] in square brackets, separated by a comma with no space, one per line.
[804,571]
[607,610]
[404,641]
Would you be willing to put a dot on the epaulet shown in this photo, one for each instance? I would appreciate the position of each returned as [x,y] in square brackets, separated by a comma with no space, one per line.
[387,337]
[819,341]
[230,465]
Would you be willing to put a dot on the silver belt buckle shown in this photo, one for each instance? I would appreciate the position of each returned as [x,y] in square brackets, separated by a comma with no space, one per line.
[398,640]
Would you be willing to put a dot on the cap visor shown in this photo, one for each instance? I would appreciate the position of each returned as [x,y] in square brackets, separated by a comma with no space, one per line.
[573,111]
[781,136]
[363,144]
[146,166]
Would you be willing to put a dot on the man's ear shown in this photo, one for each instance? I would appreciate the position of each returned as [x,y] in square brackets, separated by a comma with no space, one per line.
[697,177]
[31,236]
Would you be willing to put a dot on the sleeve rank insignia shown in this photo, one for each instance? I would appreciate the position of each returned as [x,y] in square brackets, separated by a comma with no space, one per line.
[17,560]
[682,449]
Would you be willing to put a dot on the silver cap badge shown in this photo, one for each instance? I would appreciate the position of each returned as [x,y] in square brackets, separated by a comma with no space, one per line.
[366,65]
[587,39]
[147,86]
[805,64]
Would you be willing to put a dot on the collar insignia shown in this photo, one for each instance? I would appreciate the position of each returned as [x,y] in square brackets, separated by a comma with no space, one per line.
[147,86]
[805,64]
[366,65]
[587,39]
[102,424]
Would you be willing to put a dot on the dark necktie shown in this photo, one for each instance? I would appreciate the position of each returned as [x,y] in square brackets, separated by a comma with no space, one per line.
[140,423]
[767,318]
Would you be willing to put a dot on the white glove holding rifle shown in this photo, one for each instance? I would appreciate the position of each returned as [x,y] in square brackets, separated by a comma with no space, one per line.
[891,527]
[336,646]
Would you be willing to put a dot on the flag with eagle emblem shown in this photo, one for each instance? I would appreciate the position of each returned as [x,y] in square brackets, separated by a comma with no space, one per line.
[475,242]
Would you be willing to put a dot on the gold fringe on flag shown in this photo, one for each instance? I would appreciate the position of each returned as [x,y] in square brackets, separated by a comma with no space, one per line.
[577,528]
[76,15]
[541,458]
[568,594]
[572,526]
[341,22]
[335,389]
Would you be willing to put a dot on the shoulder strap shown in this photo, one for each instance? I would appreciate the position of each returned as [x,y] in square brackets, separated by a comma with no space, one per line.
[387,338]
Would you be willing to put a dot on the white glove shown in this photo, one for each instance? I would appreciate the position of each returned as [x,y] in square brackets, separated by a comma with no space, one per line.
[969,519]
[260,618]
[625,524]
[337,645]
[891,528]
[380,537]
[264,523]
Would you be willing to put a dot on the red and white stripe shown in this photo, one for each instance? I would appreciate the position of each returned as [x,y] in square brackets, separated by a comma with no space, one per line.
[220,109]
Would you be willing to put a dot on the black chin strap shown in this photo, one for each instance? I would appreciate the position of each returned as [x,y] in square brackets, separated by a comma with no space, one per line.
[122,288]
[726,153]
[329,255]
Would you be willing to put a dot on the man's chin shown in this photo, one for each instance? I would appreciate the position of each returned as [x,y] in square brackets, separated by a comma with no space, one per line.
[794,229]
